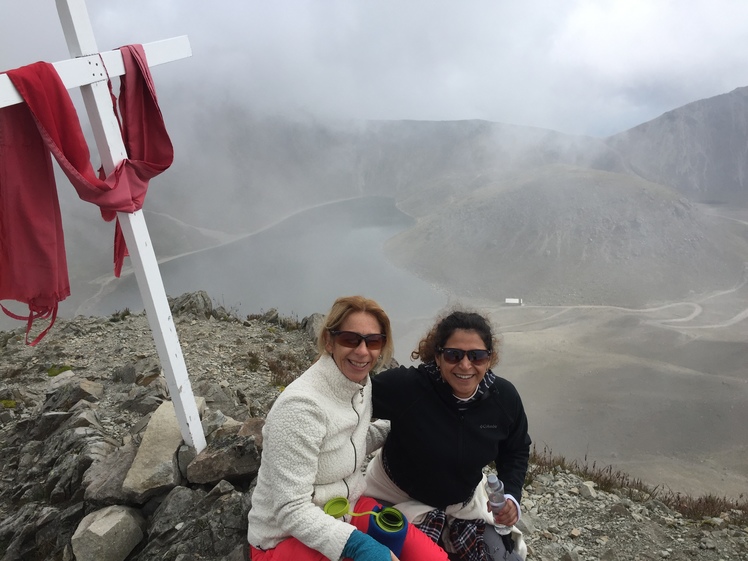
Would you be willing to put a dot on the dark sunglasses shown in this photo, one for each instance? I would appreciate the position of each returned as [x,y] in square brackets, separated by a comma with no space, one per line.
[453,356]
[351,339]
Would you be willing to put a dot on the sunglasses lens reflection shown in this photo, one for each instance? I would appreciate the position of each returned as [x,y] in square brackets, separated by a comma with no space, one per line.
[352,340]
[477,357]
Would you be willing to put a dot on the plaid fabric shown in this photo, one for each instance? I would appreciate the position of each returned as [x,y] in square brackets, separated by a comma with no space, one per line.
[466,536]
[433,524]
[467,539]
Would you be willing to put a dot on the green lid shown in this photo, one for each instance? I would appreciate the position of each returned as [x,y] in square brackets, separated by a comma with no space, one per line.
[337,507]
[390,519]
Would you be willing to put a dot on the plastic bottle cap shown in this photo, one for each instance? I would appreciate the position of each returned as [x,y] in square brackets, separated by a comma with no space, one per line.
[390,519]
[337,507]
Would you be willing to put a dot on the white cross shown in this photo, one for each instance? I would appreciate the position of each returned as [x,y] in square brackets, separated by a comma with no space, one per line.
[78,72]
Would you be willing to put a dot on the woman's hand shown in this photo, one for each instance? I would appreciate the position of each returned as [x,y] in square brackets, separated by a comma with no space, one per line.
[508,516]
[362,547]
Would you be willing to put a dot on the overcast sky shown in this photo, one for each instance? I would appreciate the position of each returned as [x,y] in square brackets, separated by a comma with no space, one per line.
[578,66]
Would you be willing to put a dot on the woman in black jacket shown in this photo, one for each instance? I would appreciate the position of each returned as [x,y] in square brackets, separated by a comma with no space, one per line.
[450,417]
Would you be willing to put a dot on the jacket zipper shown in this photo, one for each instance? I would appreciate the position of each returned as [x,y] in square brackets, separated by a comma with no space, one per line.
[355,452]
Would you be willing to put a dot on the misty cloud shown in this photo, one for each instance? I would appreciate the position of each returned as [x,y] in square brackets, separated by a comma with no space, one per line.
[579,67]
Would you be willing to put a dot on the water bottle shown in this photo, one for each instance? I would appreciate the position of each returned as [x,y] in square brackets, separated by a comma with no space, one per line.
[389,527]
[495,491]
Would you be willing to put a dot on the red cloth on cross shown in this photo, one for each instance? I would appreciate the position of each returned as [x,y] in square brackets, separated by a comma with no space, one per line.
[33,268]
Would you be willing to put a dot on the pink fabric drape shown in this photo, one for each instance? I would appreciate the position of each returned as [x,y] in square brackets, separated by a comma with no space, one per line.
[33,268]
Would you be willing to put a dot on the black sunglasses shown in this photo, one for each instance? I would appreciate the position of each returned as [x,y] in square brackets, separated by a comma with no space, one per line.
[476,356]
[351,339]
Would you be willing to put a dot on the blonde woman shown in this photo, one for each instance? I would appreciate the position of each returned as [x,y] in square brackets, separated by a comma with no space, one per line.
[316,438]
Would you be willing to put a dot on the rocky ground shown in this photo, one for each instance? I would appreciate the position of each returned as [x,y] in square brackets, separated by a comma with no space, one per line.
[85,394]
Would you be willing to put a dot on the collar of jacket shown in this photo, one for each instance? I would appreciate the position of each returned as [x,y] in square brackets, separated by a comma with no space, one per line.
[336,382]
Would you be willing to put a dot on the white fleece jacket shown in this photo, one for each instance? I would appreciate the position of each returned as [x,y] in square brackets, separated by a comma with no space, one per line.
[315,439]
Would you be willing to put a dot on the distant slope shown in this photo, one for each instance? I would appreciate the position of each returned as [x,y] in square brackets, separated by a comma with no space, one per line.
[570,235]
[404,158]
[700,149]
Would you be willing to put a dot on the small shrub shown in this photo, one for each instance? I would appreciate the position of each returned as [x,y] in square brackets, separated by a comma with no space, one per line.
[253,361]
[290,323]
[708,506]
[286,367]
[279,375]
[119,315]
[8,403]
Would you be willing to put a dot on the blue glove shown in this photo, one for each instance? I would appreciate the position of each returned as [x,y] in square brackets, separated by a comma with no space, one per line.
[361,547]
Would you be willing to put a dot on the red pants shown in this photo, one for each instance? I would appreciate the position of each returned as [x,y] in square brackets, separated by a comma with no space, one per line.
[418,546]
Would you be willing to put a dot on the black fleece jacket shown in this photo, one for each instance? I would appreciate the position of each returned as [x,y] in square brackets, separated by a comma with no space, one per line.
[435,452]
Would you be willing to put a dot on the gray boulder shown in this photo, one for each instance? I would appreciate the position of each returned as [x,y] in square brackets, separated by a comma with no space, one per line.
[195,304]
[215,528]
[155,469]
[109,534]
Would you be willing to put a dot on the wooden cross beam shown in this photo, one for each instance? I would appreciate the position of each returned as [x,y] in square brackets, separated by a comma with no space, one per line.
[85,71]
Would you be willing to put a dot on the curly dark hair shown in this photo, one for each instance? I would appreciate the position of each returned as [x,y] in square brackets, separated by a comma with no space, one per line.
[447,325]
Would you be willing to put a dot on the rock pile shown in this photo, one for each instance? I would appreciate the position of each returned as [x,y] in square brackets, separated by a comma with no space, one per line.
[94,467]
[566,519]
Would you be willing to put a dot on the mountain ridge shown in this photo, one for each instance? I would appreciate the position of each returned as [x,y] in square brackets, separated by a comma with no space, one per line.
[432,168]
